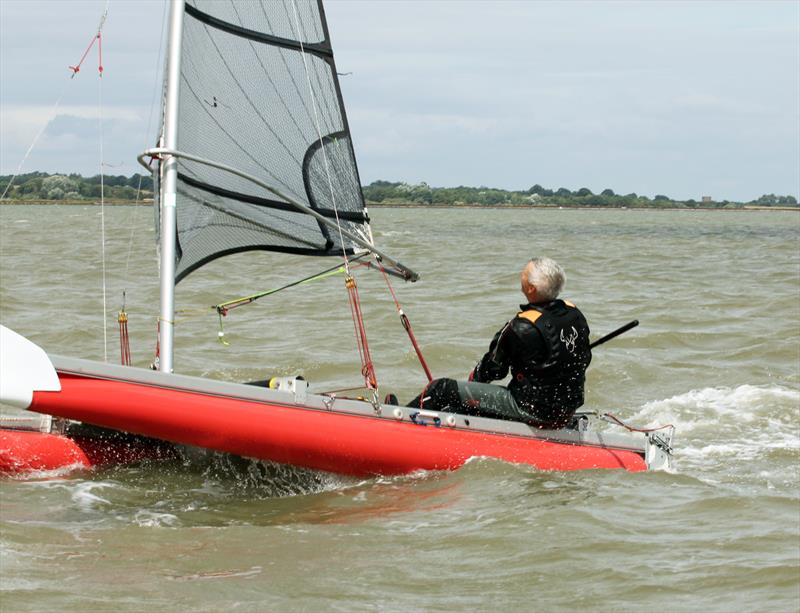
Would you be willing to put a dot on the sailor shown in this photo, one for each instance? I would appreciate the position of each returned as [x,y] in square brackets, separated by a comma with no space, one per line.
[545,347]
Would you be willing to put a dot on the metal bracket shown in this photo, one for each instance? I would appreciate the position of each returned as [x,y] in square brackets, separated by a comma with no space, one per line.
[663,441]
[658,454]
[375,402]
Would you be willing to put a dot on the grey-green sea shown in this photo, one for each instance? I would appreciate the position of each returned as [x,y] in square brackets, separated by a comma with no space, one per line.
[717,354]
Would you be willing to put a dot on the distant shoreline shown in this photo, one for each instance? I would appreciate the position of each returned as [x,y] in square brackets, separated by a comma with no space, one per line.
[111,201]
[44,188]
[413,205]
[544,207]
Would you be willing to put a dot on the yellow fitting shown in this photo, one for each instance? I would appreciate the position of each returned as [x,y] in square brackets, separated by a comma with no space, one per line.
[349,282]
[122,317]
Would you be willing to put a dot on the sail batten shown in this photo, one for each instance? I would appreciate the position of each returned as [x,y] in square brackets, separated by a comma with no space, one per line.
[358,217]
[259,92]
[319,49]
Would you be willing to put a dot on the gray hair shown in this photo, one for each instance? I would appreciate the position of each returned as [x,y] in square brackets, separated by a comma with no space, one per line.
[547,277]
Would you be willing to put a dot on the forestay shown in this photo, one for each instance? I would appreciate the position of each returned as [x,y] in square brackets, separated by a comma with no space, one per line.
[259,92]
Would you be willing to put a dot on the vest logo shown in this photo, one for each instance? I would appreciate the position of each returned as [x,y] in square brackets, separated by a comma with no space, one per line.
[569,341]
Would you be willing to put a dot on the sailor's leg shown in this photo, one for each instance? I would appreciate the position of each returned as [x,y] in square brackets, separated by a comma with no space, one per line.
[470,398]
[487,400]
[439,394]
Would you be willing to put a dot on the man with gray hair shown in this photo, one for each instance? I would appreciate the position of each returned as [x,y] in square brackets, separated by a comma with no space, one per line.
[546,349]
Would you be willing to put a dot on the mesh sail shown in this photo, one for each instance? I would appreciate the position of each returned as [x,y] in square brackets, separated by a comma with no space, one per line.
[259,92]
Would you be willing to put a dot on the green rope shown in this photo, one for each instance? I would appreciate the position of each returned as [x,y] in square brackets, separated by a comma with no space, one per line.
[223,307]
[237,302]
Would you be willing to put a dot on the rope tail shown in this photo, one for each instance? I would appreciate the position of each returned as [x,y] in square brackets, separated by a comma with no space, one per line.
[124,339]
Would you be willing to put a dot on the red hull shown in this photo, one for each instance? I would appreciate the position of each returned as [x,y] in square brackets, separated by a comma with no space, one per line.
[25,452]
[318,439]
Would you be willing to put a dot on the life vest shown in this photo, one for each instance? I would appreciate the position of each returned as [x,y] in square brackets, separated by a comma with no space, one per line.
[555,381]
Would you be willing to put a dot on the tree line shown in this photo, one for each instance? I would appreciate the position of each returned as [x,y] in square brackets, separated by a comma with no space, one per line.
[388,193]
[36,186]
[41,186]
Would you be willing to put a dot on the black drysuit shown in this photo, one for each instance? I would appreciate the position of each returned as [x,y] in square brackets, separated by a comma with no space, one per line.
[546,349]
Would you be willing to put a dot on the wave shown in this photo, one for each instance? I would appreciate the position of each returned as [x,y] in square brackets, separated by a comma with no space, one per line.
[722,424]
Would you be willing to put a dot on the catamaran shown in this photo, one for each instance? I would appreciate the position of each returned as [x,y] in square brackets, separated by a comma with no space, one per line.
[255,152]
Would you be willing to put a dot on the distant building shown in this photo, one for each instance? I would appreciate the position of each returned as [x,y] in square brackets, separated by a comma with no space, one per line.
[707,199]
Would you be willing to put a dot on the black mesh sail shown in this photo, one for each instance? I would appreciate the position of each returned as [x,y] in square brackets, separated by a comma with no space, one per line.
[259,92]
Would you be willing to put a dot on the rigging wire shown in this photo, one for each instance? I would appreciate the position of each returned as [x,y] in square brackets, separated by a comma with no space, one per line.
[319,132]
[96,38]
[126,344]
[367,366]
[99,39]
[36,138]
[102,209]
[147,132]
[75,70]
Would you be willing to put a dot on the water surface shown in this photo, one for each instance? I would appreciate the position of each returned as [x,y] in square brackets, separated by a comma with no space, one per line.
[716,354]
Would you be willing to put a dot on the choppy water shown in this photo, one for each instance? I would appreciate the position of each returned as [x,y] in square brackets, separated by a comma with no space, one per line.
[717,354]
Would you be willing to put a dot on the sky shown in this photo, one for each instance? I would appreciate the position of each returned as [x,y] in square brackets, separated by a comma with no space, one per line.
[684,99]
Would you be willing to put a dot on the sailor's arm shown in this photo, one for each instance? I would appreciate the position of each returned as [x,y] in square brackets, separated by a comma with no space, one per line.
[495,363]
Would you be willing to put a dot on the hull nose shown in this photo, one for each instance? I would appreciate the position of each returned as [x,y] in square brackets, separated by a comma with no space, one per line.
[24,369]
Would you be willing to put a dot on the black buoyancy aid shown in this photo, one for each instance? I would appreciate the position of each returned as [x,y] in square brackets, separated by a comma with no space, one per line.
[558,377]
[566,335]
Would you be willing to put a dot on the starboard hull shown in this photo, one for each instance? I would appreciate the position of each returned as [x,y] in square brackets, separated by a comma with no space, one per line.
[288,425]
[318,439]
[328,440]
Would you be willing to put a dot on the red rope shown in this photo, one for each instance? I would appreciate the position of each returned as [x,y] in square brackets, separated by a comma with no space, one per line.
[96,38]
[124,339]
[77,68]
[100,53]
[367,367]
[422,395]
[407,325]
[618,421]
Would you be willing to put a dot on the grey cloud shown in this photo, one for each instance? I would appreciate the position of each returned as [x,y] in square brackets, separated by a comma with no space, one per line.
[652,97]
